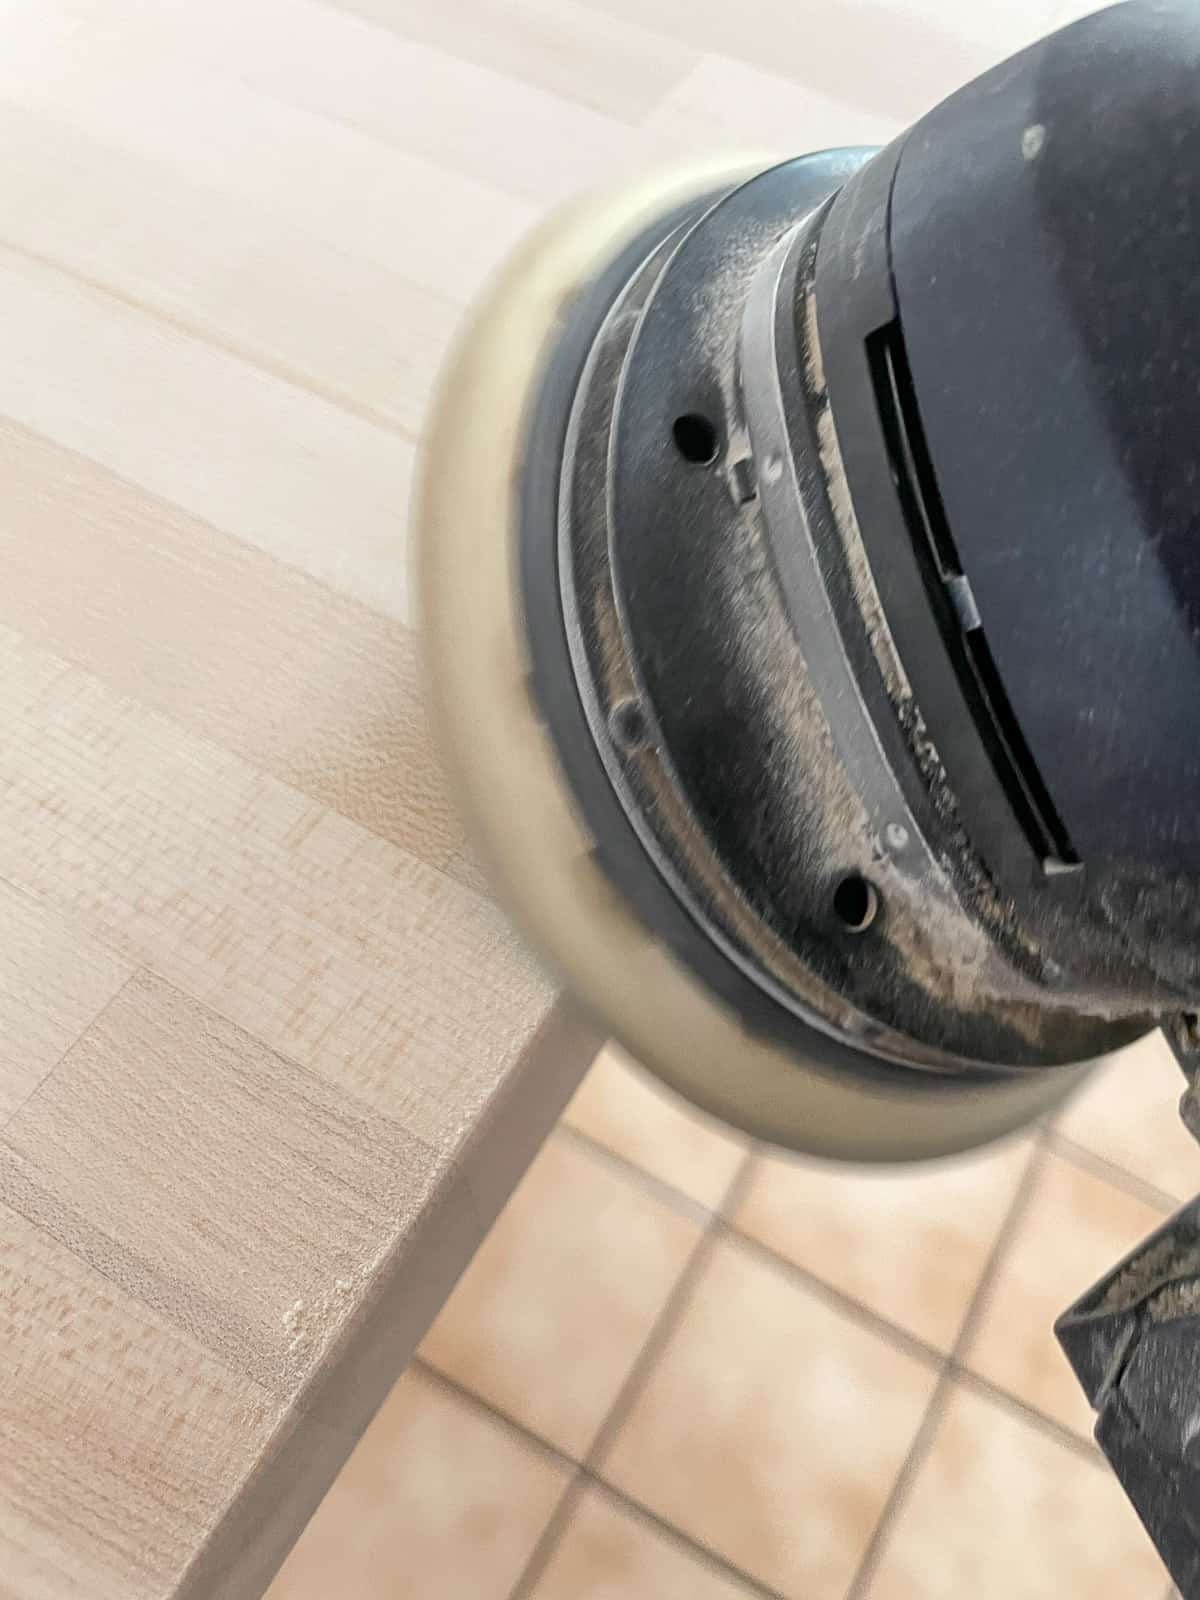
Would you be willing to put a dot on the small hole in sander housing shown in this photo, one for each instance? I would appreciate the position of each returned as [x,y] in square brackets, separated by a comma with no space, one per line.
[627,725]
[855,903]
[695,438]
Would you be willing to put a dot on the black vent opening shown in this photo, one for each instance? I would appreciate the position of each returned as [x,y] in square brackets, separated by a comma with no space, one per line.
[950,594]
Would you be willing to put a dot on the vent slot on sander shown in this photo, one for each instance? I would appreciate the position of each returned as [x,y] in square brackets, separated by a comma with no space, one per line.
[953,603]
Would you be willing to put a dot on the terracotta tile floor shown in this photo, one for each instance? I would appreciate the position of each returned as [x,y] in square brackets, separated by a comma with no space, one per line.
[684,1369]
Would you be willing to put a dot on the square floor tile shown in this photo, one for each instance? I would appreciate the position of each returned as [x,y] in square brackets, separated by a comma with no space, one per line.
[1000,1510]
[909,1242]
[611,1553]
[772,1428]
[438,1500]
[551,1314]
[622,1107]
[1129,1114]
[1076,1228]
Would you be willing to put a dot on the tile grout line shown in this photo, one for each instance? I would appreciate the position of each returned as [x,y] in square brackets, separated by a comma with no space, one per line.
[844,1304]
[460,1391]
[922,1441]
[667,1320]
[912,1344]
[1060,1432]
[659,1188]
[857,1311]
[667,1530]
[1117,1177]
[964,1376]
[989,1391]
[655,1342]
[918,1450]
[950,1366]
[626,1501]
[687,1205]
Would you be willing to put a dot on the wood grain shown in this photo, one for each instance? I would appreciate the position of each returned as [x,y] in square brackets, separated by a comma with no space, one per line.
[315,57]
[302,682]
[54,980]
[267,1071]
[571,47]
[270,1059]
[122,1436]
[132,1118]
[329,943]
[264,460]
[219,267]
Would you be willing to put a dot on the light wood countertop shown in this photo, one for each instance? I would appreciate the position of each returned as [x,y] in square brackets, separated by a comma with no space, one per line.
[270,1059]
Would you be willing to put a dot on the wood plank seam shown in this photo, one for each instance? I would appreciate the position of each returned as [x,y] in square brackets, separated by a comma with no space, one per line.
[211,1005]
[213,1319]
[341,399]
[407,1289]
[314,688]
[20,1106]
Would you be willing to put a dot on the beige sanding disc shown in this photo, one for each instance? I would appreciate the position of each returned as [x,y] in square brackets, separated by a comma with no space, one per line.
[512,790]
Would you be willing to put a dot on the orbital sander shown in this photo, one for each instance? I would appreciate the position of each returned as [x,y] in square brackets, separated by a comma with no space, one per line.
[810,572]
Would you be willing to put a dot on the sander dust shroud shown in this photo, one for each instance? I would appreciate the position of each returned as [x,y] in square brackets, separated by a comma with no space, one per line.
[810,568]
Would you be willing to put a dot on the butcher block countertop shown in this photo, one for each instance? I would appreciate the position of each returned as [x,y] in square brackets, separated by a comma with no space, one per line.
[270,1059]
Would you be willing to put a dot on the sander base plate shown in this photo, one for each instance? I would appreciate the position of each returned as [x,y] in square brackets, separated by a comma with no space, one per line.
[507,779]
